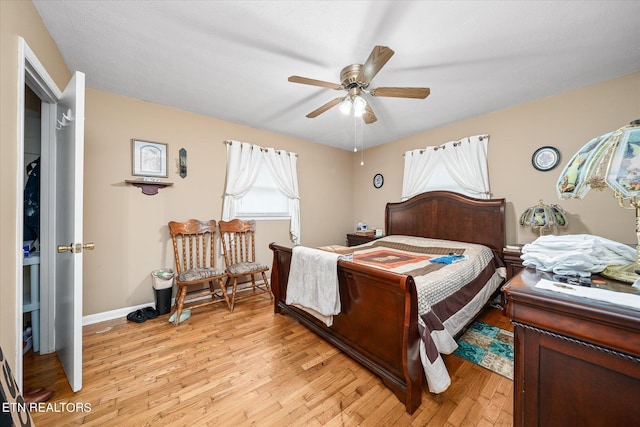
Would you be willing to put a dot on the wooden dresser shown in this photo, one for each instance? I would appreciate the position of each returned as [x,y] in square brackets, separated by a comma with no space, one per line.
[577,360]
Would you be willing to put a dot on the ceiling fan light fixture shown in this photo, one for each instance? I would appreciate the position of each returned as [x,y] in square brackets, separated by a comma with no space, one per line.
[359,105]
[355,80]
[345,106]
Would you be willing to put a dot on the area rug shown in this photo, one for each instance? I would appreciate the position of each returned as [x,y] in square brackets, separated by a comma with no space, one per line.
[489,347]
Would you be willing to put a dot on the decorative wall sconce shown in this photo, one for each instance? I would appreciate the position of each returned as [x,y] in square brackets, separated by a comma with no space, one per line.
[183,162]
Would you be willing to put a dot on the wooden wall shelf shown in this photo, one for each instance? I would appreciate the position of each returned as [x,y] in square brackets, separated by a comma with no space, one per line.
[148,187]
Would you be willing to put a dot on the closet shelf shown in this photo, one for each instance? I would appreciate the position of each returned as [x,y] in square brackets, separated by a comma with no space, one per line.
[148,187]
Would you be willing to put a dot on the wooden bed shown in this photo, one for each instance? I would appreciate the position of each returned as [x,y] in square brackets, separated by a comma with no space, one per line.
[378,324]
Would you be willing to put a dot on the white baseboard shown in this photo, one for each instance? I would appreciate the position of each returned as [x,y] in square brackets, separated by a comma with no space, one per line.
[122,312]
[115,314]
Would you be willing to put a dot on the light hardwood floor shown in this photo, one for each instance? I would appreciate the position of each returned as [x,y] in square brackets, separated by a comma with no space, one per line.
[249,367]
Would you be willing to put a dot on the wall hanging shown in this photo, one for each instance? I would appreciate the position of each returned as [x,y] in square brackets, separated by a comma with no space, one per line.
[149,158]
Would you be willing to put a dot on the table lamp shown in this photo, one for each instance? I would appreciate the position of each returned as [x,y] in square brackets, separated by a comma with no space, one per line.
[542,218]
[609,161]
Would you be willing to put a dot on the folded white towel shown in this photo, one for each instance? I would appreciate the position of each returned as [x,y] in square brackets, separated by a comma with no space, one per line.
[313,282]
[576,254]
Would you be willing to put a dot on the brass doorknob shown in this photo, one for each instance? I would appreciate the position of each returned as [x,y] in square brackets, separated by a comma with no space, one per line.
[63,248]
[76,248]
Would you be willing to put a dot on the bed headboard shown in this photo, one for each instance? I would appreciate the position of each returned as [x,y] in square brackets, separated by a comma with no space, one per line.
[449,216]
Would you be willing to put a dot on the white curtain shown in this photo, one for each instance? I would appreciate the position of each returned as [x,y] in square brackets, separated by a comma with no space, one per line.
[467,165]
[464,160]
[243,163]
[283,167]
[418,169]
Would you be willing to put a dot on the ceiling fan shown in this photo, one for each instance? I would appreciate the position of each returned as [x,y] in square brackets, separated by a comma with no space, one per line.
[355,80]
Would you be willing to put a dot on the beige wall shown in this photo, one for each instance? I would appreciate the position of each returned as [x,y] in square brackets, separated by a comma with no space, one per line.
[17,18]
[130,228]
[566,121]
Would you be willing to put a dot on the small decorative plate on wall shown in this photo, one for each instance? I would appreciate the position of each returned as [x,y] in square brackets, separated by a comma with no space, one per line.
[545,158]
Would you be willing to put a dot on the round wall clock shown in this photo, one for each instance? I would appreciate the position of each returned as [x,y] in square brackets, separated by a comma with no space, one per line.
[545,158]
[378,180]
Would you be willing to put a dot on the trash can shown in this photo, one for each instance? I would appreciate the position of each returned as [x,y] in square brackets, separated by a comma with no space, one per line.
[163,286]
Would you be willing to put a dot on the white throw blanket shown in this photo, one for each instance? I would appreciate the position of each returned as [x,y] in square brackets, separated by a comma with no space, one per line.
[578,254]
[313,282]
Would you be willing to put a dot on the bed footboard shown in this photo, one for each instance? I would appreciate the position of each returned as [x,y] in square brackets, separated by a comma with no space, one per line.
[377,325]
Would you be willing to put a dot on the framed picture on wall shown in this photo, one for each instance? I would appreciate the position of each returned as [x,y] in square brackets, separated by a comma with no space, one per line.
[149,158]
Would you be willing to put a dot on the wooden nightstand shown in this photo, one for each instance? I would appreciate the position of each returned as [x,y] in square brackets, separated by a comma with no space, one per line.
[354,239]
[512,261]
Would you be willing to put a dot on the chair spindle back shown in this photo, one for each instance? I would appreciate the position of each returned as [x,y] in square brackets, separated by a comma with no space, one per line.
[193,244]
[238,241]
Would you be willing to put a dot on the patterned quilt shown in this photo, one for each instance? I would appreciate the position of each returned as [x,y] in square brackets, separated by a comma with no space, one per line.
[450,294]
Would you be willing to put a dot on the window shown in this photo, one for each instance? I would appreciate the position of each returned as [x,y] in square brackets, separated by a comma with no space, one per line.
[264,200]
[459,166]
[251,190]
[441,180]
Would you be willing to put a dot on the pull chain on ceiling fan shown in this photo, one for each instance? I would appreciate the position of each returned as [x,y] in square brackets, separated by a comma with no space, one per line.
[355,79]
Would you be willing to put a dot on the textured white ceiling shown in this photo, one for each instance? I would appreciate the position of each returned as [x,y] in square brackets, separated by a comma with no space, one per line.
[231,59]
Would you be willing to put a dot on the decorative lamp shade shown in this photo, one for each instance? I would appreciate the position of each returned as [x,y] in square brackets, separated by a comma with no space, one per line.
[611,160]
[543,218]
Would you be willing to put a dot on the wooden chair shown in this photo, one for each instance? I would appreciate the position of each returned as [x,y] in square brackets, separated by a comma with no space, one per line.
[238,245]
[193,249]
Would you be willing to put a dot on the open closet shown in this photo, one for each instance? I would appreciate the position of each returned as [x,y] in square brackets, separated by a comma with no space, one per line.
[31,222]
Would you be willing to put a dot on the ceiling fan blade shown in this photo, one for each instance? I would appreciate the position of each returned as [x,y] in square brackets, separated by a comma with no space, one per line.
[401,92]
[325,107]
[376,60]
[314,82]
[368,116]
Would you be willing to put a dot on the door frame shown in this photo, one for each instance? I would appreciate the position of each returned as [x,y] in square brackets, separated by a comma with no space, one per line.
[32,73]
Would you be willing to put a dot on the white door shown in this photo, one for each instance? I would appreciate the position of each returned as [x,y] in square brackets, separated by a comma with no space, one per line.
[69,153]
